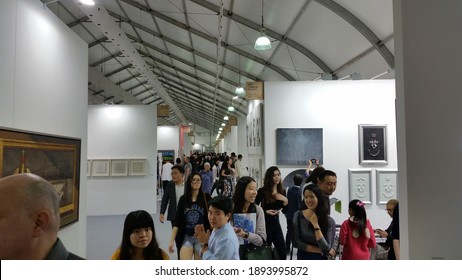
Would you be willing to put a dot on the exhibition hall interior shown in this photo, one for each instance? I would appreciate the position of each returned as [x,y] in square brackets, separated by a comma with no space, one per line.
[95,98]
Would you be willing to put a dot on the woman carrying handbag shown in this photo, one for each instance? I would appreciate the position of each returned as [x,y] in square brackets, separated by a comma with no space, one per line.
[249,219]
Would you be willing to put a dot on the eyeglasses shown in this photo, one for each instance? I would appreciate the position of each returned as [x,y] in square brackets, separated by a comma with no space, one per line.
[388,210]
[196,180]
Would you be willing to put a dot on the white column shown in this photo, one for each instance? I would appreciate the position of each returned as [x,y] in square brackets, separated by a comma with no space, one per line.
[429,122]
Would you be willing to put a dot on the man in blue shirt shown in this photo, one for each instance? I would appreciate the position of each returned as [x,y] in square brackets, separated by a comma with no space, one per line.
[222,244]
[207,178]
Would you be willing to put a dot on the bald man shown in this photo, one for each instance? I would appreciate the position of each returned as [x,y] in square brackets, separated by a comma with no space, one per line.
[29,220]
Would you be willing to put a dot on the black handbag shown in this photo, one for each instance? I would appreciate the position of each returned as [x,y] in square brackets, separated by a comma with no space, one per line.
[263,252]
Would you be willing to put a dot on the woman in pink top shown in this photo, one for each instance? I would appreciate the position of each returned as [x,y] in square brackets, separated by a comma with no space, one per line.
[356,233]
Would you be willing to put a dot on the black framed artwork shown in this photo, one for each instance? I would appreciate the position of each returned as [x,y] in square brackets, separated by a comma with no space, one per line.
[372,144]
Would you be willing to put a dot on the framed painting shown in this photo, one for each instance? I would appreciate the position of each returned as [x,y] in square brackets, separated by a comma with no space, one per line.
[372,144]
[100,167]
[54,158]
[296,146]
[137,167]
[167,155]
[119,167]
[387,185]
[360,184]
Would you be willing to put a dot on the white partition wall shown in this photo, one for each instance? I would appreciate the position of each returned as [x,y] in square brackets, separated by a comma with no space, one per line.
[122,132]
[429,117]
[40,92]
[168,138]
[338,107]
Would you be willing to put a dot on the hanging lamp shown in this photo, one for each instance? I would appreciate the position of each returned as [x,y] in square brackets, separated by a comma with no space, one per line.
[263,42]
[239,89]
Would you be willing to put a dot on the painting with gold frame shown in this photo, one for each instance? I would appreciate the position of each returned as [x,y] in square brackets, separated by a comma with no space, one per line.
[54,158]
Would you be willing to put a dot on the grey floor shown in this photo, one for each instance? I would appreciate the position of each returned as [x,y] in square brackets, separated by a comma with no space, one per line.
[104,234]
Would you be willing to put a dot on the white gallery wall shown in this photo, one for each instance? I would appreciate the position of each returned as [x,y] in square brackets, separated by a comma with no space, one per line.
[230,141]
[39,92]
[122,132]
[168,138]
[338,107]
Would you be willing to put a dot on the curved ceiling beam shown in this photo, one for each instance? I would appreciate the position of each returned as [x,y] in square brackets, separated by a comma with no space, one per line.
[170,82]
[183,72]
[191,91]
[179,59]
[104,22]
[273,34]
[176,43]
[362,28]
[168,65]
[207,37]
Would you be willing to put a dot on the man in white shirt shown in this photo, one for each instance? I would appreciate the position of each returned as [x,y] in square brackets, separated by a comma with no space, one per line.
[166,173]
[241,171]
[216,169]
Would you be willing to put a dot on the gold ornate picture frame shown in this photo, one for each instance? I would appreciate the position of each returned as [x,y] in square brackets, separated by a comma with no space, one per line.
[54,158]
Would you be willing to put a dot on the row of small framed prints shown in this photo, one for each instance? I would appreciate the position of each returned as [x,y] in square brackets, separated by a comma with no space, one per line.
[360,184]
[116,167]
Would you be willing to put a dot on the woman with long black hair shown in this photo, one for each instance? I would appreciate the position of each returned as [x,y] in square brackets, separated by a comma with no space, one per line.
[191,211]
[314,229]
[139,239]
[272,198]
[245,209]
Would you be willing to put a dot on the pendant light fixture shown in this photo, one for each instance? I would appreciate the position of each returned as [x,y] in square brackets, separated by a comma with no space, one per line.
[239,89]
[263,43]
[87,2]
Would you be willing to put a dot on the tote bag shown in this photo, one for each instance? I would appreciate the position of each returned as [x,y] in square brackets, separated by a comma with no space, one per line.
[263,252]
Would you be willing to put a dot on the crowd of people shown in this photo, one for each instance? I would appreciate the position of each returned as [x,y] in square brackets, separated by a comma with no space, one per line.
[228,225]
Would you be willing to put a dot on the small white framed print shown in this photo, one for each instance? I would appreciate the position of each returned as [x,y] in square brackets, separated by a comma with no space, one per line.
[119,167]
[100,167]
[137,167]
[88,167]
[360,184]
[387,185]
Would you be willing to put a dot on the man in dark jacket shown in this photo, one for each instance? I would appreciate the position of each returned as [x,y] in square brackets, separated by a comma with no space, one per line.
[172,193]
[293,196]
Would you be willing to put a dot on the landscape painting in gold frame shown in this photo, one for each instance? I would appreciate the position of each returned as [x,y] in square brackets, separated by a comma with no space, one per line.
[54,158]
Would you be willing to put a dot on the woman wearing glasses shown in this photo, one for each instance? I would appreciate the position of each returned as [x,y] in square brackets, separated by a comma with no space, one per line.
[191,211]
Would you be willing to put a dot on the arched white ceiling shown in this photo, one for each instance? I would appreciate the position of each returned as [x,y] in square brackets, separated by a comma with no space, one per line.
[198,51]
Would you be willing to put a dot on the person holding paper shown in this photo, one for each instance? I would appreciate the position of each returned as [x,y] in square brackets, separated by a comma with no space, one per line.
[249,218]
